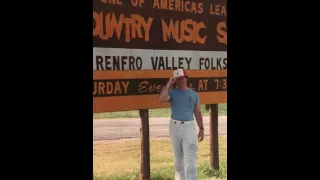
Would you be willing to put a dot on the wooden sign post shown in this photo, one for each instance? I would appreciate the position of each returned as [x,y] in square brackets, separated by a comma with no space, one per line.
[214,141]
[145,146]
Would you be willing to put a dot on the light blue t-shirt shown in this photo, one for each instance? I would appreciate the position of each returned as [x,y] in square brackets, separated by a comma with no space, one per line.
[183,103]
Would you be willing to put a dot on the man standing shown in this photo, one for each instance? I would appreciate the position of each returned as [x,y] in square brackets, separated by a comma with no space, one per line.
[184,106]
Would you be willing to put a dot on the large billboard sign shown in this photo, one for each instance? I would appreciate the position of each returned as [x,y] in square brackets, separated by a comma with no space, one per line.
[138,43]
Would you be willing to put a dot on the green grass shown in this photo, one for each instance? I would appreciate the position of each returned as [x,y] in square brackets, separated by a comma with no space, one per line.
[161,112]
[120,160]
[204,173]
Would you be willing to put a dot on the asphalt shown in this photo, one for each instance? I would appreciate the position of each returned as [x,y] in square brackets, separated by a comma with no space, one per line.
[126,128]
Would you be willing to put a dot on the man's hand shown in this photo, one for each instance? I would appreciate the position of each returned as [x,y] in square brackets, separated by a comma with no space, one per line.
[171,81]
[200,135]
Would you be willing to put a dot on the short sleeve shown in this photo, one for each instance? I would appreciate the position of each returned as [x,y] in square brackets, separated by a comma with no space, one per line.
[197,99]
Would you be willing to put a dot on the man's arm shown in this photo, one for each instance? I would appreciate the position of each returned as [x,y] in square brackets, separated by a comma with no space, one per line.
[199,119]
[198,115]
[164,95]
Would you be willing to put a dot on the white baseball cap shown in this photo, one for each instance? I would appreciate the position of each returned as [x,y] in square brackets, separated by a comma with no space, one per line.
[180,73]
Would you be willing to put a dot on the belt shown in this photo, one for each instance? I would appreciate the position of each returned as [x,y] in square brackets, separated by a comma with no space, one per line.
[182,122]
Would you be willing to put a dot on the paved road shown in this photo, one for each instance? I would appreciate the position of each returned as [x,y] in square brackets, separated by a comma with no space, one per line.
[112,129]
